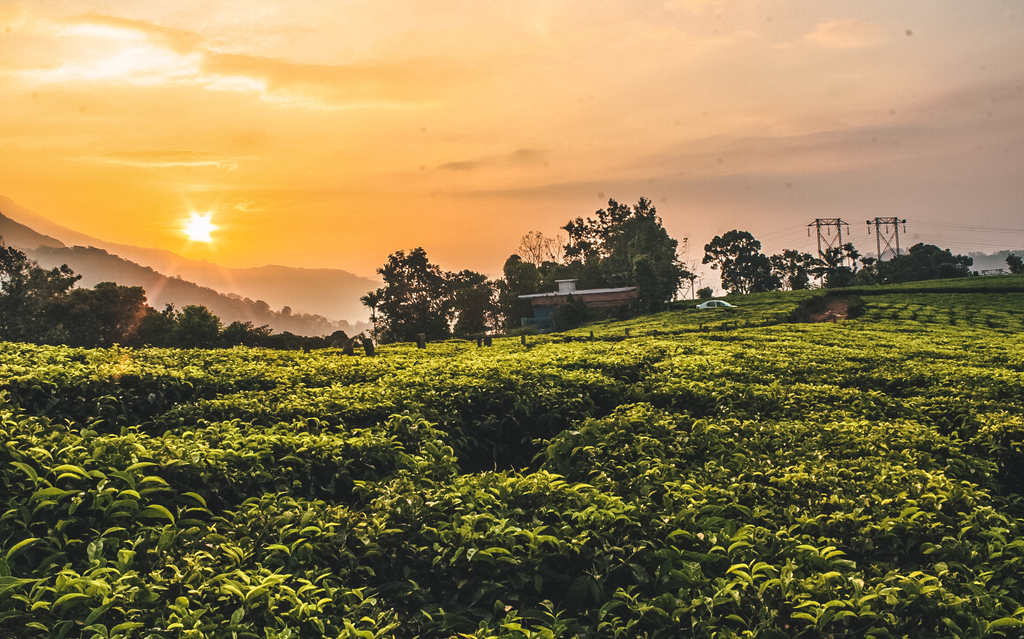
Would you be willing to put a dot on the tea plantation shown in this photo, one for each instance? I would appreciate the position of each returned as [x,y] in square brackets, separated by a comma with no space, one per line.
[713,474]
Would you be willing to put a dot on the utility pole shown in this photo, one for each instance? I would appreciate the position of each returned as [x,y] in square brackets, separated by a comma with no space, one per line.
[887,236]
[824,228]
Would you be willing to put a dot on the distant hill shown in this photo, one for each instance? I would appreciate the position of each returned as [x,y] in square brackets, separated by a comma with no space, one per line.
[331,293]
[22,237]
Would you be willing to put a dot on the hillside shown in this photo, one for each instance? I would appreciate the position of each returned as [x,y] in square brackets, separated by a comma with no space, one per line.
[706,474]
[24,238]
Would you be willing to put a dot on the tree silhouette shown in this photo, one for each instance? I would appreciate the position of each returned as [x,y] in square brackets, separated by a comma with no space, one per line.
[371,300]
[744,268]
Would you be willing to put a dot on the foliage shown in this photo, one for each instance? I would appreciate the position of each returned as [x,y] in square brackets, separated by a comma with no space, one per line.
[29,295]
[705,293]
[472,297]
[418,297]
[572,313]
[413,299]
[247,334]
[1015,263]
[920,262]
[629,247]
[43,307]
[794,269]
[520,278]
[744,268]
[104,315]
[740,477]
[196,327]
[371,300]
[833,268]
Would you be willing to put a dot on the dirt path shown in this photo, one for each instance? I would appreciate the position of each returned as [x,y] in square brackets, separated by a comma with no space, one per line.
[835,310]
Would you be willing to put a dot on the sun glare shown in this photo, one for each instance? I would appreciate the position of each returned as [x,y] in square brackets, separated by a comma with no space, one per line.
[198,227]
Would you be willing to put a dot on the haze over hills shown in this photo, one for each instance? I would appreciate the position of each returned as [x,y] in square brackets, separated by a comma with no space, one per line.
[97,265]
[331,293]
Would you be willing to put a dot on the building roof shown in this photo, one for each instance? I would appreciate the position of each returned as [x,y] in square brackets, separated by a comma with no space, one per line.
[589,291]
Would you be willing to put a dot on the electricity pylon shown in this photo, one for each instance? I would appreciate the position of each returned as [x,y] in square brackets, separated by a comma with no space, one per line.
[887,232]
[826,241]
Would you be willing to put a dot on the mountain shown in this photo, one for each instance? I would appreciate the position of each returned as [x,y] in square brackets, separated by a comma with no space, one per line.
[331,293]
[23,237]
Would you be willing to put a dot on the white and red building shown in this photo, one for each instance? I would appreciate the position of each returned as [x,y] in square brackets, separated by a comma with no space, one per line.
[544,304]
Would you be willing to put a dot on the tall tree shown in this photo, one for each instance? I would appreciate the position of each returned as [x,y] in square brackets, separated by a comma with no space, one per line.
[472,299]
[414,298]
[371,300]
[631,247]
[520,278]
[744,268]
[240,333]
[157,327]
[1015,263]
[834,266]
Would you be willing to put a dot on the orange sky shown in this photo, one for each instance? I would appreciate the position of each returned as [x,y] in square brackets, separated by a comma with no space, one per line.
[330,133]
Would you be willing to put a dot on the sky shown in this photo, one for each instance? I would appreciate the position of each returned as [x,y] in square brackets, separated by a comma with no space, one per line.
[331,133]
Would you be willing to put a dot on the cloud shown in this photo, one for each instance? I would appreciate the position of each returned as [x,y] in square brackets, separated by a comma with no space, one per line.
[519,157]
[142,53]
[166,159]
[395,83]
[178,40]
[847,34]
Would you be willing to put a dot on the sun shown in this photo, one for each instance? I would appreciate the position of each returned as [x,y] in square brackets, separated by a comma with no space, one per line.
[198,227]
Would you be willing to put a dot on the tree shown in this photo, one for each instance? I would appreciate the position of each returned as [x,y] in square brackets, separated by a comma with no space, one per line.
[705,293]
[920,262]
[414,298]
[102,316]
[29,295]
[1016,263]
[537,249]
[630,247]
[371,300]
[520,278]
[570,314]
[744,268]
[239,333]
[834,266]
[197,327]
[793,268]
[156,328]
[472,299]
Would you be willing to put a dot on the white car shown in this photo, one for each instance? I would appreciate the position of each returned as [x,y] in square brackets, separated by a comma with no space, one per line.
[715,304]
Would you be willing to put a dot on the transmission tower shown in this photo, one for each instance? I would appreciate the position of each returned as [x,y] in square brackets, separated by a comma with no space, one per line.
[887,232]
[826,240]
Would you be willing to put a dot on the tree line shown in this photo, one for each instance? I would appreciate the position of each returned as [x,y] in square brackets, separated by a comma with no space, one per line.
[745,269]
[621,246]
[42,306]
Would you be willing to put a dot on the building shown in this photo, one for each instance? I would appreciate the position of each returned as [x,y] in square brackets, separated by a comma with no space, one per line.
[544,304]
